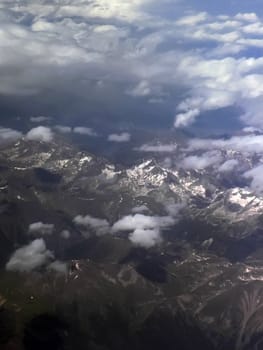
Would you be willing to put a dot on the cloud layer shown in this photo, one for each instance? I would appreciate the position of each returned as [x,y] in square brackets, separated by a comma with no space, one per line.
[87,47]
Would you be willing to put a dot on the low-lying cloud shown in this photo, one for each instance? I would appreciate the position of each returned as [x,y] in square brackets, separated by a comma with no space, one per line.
[65,234]
[228,166]
[9,135]
[160,148]
[146,238]
[82,130]
[100,226]
[39,228]
[140,209]
[59,267]
[201,162]
[40,133]
[30,257]
[255,175]
[123,137]
[245,143]
[146,230]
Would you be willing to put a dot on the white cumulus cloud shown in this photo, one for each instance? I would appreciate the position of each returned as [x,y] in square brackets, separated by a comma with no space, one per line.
[145,238]
[40,133]
[39,228]
[146,230]
[30,257]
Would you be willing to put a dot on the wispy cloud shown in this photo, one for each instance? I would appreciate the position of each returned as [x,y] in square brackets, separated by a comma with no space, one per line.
[122,137]
[9,135]
[245,143]
[100,226]
[203,161]
[255,175]
[82,130]
[159,148]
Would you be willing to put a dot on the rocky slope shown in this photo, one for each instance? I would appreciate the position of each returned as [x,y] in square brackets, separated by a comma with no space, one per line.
[207,265]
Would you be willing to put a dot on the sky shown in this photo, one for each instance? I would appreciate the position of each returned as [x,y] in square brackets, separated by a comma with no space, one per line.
[127,63]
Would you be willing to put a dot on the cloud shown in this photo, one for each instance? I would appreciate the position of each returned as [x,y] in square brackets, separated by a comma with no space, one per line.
[173,209]
[100,226]
[228,166]
[65,234]
[193,19]
[201,162]
[167,163]
[67,47]
[248,17]
[208,73]
[255,174]
[186,118]
[160,148]
[146,230]
[251,130]
[140,90]
[132,222]
[30,257]
[59,267]
[146,238]
[140,209]
[123,137]
[39,119]
[245,143]
[40,133]
[9,135]
[38,228]
[82,130]
[63,129]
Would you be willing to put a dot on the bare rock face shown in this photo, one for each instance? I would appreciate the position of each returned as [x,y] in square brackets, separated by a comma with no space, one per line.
[206,264]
